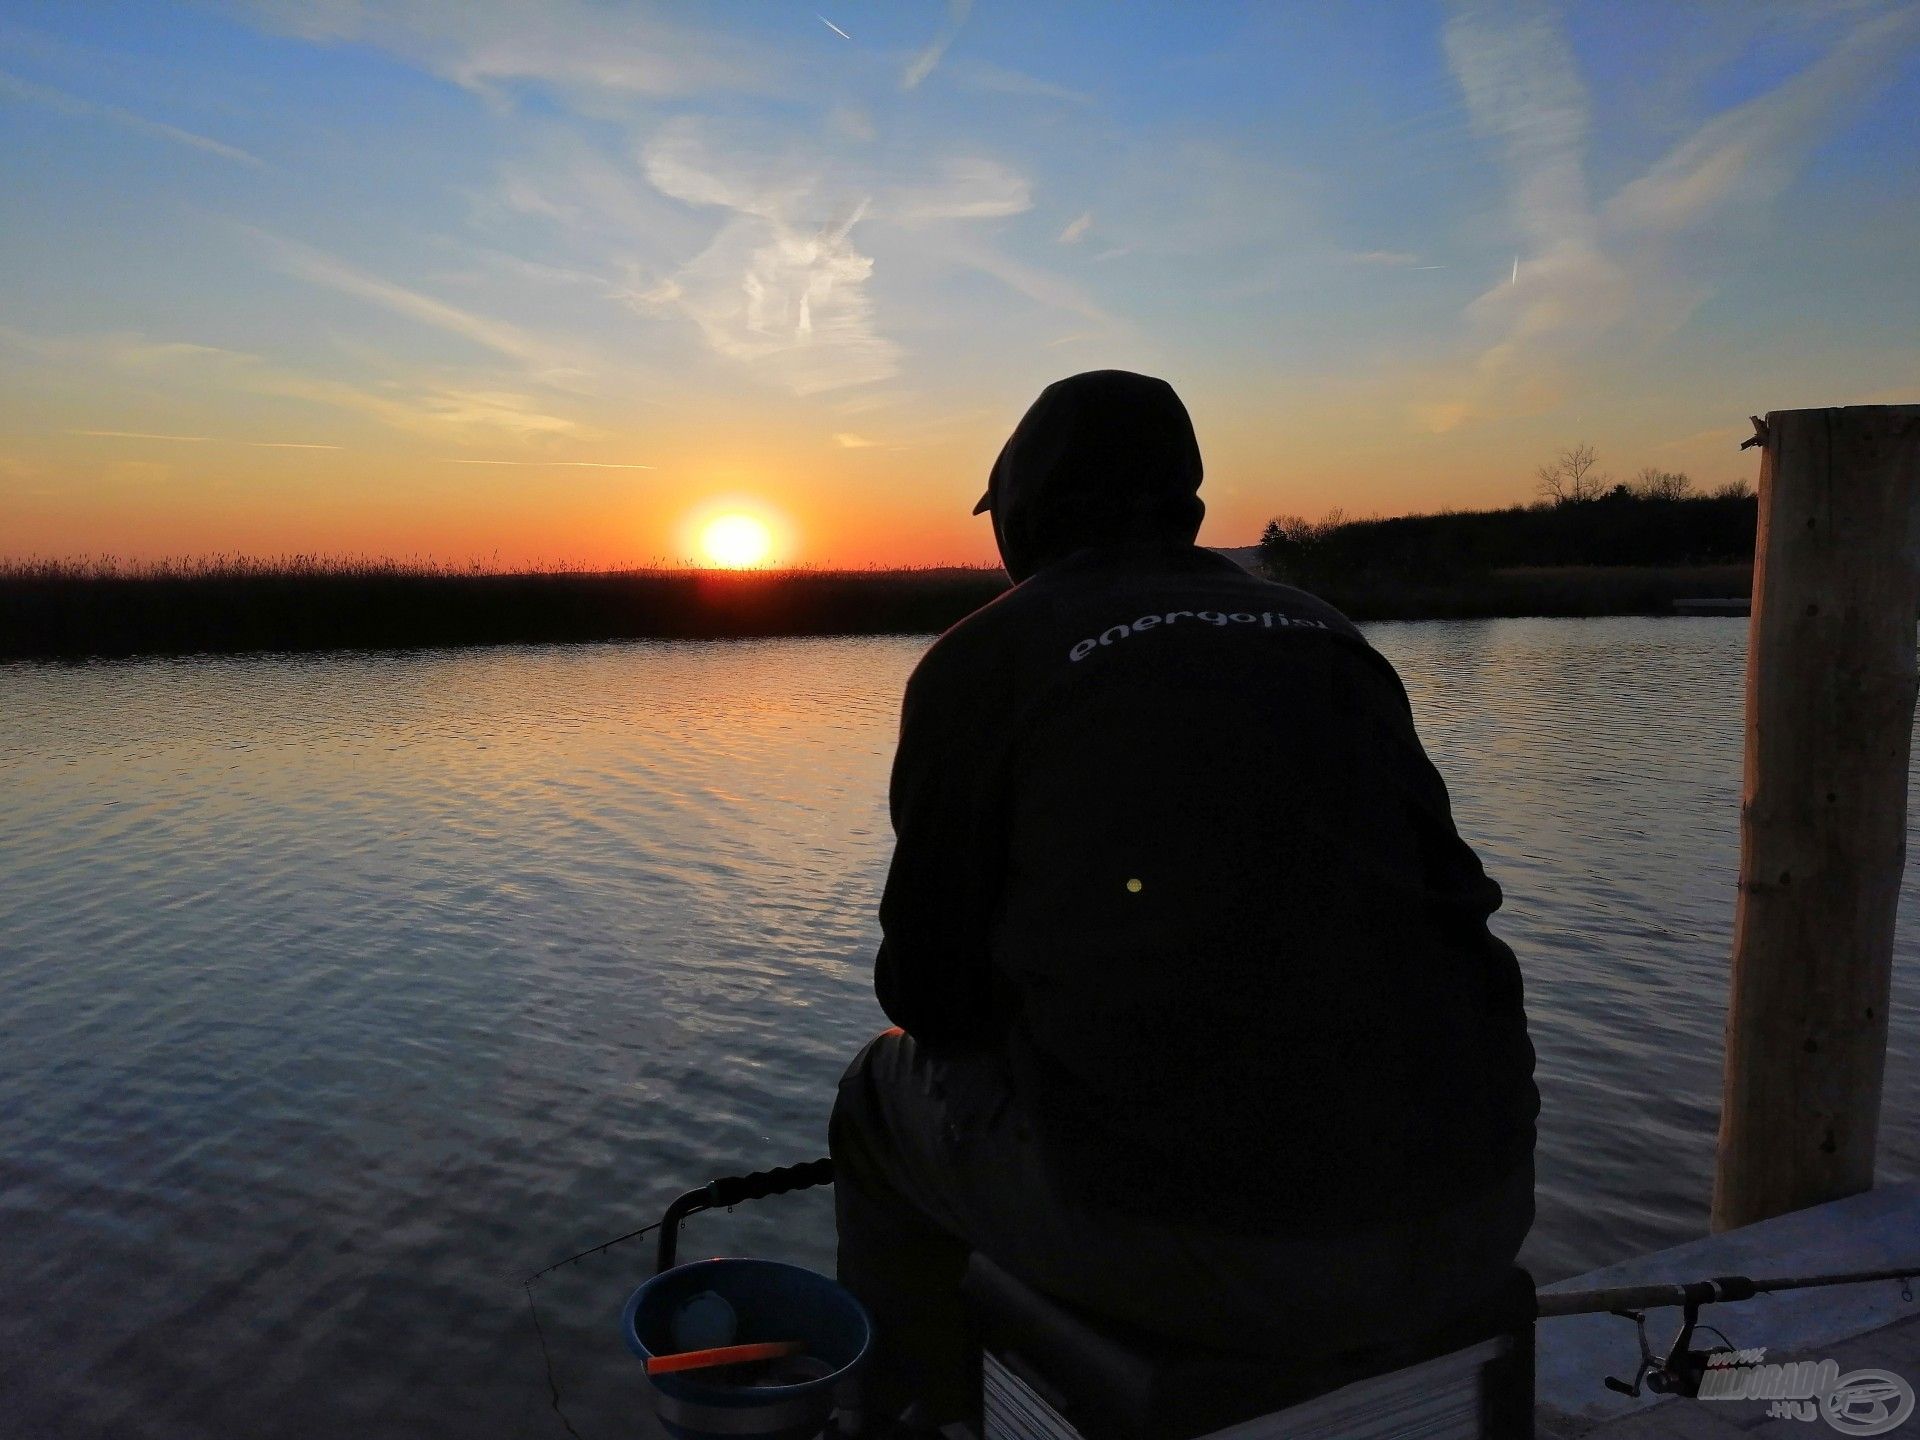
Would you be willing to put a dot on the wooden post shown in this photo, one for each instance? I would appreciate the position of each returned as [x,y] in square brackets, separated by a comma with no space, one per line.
[1830,697]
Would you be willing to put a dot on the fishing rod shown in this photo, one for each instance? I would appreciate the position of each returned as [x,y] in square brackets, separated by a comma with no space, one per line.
[1681,1369]
[1678,1372]
[1702,1292]
[724,1193]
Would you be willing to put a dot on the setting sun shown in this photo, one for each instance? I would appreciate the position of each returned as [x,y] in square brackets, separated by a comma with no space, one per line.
[736,541]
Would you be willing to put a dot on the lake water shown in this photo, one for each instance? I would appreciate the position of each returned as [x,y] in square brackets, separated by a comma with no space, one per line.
[339,993]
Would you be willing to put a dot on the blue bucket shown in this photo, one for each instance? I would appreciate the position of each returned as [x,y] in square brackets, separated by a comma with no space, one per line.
[774,1301]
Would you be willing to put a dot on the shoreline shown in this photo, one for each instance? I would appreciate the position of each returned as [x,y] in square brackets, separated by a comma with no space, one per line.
[1546,592]
[78,617]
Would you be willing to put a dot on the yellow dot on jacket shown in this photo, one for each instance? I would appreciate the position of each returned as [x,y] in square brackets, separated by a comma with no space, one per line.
[1133,886]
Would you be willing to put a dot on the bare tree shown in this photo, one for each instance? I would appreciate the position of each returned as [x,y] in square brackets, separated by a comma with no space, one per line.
[1732,490]
[1571,478]
[1294,547]
[1655,484]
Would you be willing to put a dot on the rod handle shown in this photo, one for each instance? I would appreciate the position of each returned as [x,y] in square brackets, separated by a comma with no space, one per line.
[733,1189]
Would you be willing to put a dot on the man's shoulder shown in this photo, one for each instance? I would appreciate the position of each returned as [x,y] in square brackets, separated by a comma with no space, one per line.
[1193,579]
[1006,645]
[1296,601]
[978,648]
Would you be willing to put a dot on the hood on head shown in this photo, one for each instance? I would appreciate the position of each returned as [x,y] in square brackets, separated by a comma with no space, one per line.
[1100,457]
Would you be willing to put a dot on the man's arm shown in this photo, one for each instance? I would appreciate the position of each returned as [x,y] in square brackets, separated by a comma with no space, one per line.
[1460,894]
[933,972]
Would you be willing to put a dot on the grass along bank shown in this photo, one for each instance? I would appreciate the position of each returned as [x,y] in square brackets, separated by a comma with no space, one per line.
[75,609]
[78,609]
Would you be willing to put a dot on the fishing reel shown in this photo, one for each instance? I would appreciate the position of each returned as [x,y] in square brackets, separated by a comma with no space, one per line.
[1681,1369]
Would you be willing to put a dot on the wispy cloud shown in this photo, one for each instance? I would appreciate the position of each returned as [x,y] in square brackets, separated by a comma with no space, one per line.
[1525,98]
[599,205]
[1524,94]
[594,51]
[923,64]
[1076,229]
[945,214]
[127,349]
[319,268]
[852,122]
[979,75]
[966,189]
[899,426]
[433,408]
[778,288]
[14,88]
[205,439]
[1748,154]
[435,411]
[572,464]
[1028,280]
[524,271]
[1195,198]
[783,284]
[1594,276]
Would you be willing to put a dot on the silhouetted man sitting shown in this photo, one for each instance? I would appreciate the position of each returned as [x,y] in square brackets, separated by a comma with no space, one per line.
[1204,1029]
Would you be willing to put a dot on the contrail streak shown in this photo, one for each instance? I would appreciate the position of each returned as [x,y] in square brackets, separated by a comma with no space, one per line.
[1516,271]
[204,439]
[833,27]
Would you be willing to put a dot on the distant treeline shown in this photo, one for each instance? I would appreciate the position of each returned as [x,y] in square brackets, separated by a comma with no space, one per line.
[1618,528]
[53,610]
[1619,552]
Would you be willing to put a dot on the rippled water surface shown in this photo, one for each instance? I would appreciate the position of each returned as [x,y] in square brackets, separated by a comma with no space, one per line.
[339,993]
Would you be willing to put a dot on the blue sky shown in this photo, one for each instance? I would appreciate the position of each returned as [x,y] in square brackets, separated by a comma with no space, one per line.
[559,280]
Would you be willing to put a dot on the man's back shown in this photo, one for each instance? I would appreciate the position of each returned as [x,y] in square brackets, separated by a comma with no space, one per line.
[1221,923]
[1201,1028]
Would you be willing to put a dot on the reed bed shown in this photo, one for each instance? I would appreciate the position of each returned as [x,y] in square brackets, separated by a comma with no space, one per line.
[79,607]
[76,607]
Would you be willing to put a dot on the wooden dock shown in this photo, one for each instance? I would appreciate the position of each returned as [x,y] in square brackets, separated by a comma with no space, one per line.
[1857,1326]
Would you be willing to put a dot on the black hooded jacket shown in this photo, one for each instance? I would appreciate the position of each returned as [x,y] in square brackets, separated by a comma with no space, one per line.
[1166,837]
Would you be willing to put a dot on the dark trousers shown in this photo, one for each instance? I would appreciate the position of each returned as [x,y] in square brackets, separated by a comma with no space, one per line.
[934,1157]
